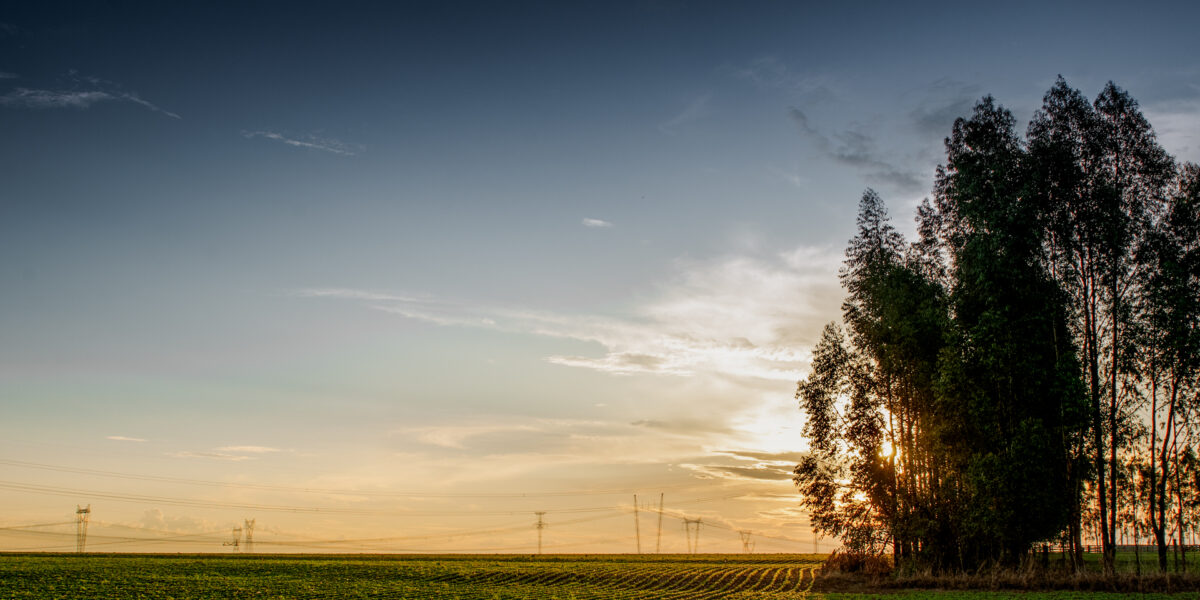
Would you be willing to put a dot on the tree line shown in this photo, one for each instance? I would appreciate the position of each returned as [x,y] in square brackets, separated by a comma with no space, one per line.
[1026,371]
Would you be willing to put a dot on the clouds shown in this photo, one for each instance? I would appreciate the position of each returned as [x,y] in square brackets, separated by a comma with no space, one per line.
[249,449]
[7,75]
[738,316]
[857,149]
[27,98]
[84,92]
[697,109]
[311,142]
[743,465]
[943,101]
[596,223]
[236,453]
[770,74]
[121,438]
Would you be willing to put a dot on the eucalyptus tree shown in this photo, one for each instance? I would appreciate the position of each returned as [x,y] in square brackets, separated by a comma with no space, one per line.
[1170,345]
[995,373]
[1012,365]
[1100,174]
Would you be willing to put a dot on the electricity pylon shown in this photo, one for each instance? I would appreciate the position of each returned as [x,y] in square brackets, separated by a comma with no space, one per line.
[82,515]
[237,539]
[540,526]
[693,539]
[637,525]
[747,545]
[658,542]
[249,535]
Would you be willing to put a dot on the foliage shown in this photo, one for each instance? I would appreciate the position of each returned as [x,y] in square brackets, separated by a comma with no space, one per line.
[992,378]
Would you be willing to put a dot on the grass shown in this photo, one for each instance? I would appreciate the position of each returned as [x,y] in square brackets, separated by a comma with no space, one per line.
[480,577]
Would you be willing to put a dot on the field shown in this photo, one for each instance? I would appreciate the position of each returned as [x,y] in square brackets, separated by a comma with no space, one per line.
[566,577]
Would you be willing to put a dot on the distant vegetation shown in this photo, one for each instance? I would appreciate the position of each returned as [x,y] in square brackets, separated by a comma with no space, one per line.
[1025,372]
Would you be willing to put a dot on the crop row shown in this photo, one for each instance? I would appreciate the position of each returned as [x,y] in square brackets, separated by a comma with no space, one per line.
[481,578]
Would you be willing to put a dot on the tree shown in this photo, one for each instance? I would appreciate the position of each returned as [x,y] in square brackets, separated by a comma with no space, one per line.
[1100,174]
[1011,365]
[995,373]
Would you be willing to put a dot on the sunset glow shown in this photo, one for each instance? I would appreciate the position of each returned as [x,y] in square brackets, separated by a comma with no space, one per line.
[404,276]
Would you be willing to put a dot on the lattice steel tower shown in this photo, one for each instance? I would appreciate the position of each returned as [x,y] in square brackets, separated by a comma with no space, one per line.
[691,527]
[82,515]
[249,529]
[540,526]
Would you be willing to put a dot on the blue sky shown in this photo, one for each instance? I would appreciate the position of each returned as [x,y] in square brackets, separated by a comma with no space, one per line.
[444,246]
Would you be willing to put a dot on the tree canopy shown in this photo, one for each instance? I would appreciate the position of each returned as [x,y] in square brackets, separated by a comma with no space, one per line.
[995,381]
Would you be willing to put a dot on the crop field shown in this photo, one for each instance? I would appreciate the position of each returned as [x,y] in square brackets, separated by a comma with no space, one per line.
[565,577]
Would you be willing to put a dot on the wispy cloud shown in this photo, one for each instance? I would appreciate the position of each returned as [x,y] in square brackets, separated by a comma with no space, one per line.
[351,294]
[747,465]
[798,181]
[211,455]
[856,149]
[121,438]
[311,142]
[7,75]
[85,92]
[943,101]
[596,223]
[27,98]
[768,73]
[756,473]
[249,449]
[739,316]
[456,436]
[697,109]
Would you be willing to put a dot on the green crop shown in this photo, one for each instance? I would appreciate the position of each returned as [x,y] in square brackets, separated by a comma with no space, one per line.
[573,577]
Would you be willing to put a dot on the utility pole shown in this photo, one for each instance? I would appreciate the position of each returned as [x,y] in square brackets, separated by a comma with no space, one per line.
[658,542]
[249,535]
[747,545]
[637,525]
[540,526]
[82,515]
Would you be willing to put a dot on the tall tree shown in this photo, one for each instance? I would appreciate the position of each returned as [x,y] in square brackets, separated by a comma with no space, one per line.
[1170,342]
[1012,365]
[995,373]
[1099,173]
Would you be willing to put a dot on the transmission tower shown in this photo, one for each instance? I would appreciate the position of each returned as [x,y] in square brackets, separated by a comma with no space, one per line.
[237,539]
[747,545]
[658,541]
[82,515]
[249,535]
[637,525]
[541,524]
[691,528]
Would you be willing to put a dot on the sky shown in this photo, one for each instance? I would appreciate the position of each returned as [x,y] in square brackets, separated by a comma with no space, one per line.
[397,276]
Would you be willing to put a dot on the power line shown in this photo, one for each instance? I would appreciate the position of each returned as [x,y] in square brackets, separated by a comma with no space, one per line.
[75,492]
[313,490]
